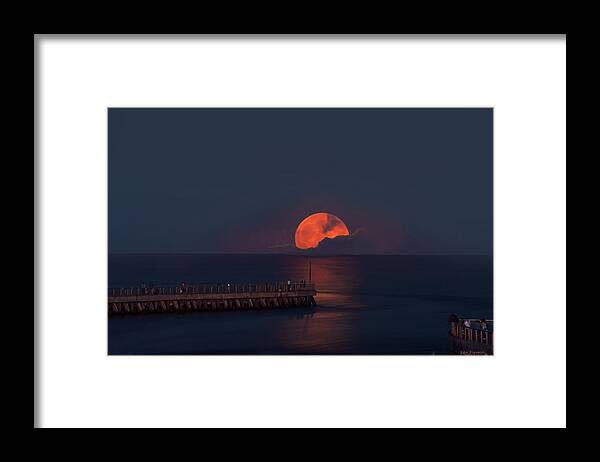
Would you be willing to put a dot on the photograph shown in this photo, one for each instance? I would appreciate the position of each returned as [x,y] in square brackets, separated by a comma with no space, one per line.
[300,231]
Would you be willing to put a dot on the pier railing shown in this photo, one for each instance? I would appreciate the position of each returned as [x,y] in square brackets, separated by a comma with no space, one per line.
[212,289]
[210,297]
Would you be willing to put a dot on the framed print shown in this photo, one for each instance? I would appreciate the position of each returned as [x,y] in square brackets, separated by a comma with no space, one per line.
[299,231]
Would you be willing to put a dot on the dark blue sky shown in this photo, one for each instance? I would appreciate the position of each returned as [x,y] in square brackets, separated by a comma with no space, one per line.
[405,181]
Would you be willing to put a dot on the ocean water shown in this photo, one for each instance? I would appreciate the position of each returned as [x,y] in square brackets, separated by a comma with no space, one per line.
[365,304]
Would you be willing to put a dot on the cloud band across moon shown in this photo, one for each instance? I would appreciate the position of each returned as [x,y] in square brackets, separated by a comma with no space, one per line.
[317,227]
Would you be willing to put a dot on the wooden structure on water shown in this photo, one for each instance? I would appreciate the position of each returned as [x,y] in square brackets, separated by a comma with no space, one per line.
[470,336]
[210,297]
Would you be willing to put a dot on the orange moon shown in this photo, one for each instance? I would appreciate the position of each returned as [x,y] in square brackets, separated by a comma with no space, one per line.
[316,227]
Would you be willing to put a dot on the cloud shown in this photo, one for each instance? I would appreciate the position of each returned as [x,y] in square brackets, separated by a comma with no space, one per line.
[343,245]
[331,223]
[358,231]
[282,246]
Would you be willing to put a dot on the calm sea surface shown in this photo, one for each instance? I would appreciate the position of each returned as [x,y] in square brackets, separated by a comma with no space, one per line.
[365,304]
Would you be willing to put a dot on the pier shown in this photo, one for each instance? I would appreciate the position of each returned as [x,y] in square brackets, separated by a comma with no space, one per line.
[469,336]
[210,297]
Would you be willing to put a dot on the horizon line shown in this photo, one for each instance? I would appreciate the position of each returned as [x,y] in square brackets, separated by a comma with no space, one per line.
[313,255]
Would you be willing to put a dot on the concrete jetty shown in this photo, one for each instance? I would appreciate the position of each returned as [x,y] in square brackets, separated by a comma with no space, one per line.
[210,297]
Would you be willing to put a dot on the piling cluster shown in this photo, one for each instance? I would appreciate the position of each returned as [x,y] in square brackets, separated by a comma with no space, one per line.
[470,336]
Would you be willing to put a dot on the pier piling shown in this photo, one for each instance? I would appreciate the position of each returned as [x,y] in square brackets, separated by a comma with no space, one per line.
[470,336]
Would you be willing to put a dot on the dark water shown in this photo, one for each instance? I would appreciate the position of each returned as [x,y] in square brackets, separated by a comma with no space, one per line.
[366,304]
